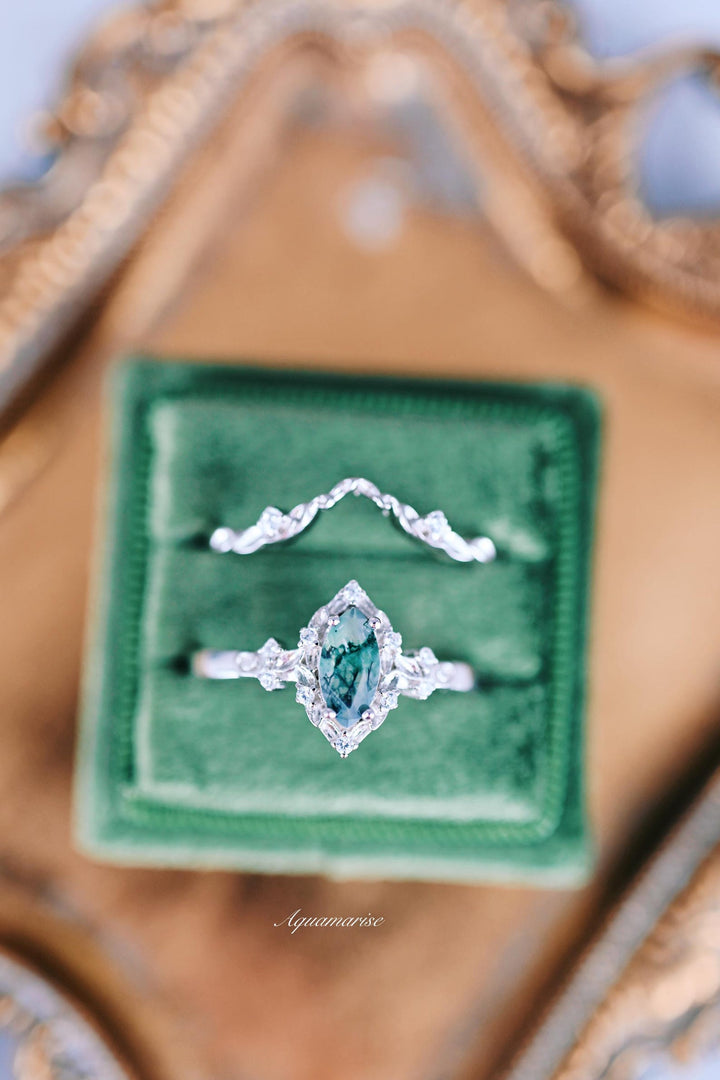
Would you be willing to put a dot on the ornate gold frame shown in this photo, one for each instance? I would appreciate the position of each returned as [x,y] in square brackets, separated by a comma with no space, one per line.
[649,986]
[52,1035]
[153,79]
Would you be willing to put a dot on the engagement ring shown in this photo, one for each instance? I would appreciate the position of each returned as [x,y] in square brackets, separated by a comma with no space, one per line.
[349,668]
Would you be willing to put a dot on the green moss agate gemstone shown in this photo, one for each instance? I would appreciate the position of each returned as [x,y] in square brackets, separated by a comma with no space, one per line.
[349,666]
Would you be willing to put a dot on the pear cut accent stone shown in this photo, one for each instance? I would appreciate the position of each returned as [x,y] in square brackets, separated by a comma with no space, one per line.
[349,666]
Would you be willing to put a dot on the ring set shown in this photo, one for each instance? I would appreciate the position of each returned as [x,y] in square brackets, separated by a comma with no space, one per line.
[349,668]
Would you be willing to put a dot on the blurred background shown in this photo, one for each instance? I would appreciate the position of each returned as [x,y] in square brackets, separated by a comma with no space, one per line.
[678,139]
[523,190]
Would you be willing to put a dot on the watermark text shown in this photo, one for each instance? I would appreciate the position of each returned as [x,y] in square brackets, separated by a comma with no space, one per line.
[298,921]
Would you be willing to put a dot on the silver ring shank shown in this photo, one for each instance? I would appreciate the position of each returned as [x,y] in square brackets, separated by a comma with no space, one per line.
[275,668]
[395,673]
[214,664]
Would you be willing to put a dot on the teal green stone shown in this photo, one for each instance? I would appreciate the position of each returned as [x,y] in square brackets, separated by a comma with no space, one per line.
[349,666]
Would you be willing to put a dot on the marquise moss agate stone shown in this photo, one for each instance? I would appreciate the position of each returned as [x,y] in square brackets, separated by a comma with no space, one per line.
[349,666]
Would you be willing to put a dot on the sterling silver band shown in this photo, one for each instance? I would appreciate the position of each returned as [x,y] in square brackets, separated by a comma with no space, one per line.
[274,667]
[349,668]
[273,526]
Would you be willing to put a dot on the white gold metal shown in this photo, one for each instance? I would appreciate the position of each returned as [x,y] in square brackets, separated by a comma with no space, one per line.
[274,526]
[411,674]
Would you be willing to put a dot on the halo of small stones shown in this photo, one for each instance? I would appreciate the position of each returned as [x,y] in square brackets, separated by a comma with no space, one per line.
[415,675]
[309,694]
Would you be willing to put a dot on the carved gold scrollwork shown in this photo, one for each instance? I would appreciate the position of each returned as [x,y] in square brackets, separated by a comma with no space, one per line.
[151,79]
[645,999]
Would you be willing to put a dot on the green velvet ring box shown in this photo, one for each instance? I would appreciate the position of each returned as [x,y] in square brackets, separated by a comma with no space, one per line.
[485,785]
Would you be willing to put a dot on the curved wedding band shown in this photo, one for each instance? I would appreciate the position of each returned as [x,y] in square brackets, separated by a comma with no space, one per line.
[273,526]
[349,668]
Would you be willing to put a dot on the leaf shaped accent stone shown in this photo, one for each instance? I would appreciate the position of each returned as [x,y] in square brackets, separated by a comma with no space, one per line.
[349,666]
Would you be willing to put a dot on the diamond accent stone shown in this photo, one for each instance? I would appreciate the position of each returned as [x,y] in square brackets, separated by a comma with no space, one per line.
[436,527]
[270,681]
[305,677]
[272,523]
[344,745]
[416,674]
[392,646]
[389,699]
[390,682]
[270,649]
[305,695]
[319,619]
[353,593]
[316,714]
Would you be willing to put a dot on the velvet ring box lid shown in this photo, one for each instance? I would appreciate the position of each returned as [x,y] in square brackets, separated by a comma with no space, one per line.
[486,785]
